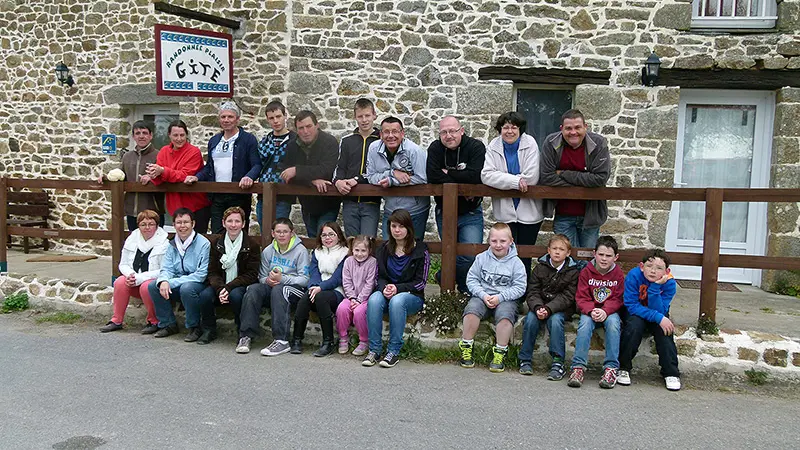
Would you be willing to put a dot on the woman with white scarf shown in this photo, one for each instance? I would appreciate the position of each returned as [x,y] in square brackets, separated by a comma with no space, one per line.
[233,265]
[324,288]
[140,263]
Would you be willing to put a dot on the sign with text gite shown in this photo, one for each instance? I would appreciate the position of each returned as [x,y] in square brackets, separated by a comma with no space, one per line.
[193,62]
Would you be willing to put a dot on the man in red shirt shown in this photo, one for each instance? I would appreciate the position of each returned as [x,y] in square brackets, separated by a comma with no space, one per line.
[576,157]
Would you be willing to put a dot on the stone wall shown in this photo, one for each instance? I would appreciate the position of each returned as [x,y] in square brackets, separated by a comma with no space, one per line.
[418,59]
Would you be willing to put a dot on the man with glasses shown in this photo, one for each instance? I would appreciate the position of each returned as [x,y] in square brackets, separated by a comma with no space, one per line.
[232,156]
[396,161]
[457,158]
[576,157]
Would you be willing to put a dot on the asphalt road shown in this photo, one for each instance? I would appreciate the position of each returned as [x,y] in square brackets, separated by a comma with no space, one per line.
[69,387]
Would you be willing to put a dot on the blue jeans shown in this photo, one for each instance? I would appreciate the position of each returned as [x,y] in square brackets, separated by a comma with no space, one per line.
[282,209]
[209,296]
[613,326]
[470,231]
[188,293]
[419,220]
[400,306]
[360,218]
[555,326]
[314,221]
[572,227]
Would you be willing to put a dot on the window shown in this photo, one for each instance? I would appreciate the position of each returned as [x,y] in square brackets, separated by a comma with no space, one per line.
[160,116]
[542,109]
[734,14]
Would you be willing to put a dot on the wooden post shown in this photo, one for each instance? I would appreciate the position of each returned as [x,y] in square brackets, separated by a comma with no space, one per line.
[449,236]
[711,237]
[268,212]
[117,226]
[3,225]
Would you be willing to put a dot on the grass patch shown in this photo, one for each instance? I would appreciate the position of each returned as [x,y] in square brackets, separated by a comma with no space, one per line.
[756,377]
[766,310]
[414,350]
[734,310]
[435,266]
[15,302]
[60,317]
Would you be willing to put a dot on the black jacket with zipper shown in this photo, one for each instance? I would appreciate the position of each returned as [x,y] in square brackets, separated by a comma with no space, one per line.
[353,161]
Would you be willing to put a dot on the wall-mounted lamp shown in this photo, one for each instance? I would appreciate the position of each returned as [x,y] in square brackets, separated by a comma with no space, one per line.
[650,70]
[63,76]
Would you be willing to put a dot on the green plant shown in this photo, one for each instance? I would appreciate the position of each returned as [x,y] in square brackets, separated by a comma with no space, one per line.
[15,302]
[783,286]
[60,317]
[756,377]
[443,312]
[706,326]
[767,310]
[434,267]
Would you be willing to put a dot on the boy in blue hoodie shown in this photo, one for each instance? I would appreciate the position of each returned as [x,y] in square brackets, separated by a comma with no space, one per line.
[496,280]
[649,290]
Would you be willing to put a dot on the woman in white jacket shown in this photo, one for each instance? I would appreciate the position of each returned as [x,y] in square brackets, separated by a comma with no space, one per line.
[140,263]
[512,163]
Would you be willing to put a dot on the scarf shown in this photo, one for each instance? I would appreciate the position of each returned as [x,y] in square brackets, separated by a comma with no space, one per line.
[511,152]
[182,246]
[145,246]
[228,259]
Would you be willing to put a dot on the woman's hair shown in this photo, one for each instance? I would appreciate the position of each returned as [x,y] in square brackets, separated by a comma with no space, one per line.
[182,212]
[512,117]
[402,218]
[336,229]
[233,210]
[562,238]
[368,241]
[147,214]
[177,123]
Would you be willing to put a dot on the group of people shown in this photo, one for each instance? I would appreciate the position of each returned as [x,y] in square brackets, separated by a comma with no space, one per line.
[348,278]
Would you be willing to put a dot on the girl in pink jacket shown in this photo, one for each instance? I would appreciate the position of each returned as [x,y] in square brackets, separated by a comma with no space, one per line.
[358,280]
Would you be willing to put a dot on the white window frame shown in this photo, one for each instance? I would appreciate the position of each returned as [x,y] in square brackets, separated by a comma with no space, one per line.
[764,19]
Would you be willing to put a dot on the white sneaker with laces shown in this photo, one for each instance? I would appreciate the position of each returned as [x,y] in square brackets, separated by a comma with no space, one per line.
[624,378]
[244,345]
[276,348]
[673,383]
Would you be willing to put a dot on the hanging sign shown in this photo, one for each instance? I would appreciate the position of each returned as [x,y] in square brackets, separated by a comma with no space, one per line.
[108,143]
[193,62]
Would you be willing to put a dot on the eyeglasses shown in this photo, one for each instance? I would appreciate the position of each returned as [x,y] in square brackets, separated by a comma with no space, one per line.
[148,224]
[328,235]
[281,231]
[392,132]
[510,127]
[182,222]
[445,133]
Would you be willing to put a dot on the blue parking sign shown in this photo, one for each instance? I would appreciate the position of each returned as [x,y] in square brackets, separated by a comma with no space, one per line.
[109,144]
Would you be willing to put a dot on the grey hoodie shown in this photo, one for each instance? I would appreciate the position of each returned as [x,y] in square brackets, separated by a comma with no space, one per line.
[491,276]
[293,263]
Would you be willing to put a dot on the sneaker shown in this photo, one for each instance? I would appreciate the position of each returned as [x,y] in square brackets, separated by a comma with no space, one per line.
[344,346]
[623,378]
[166,331]
[556,372]
[576,377]
[296,347]
[194,334]
[110,326]
[361,349]
[497,365]
[526,368]
[609,379]
[244,345]
[275,349]
[673,383]
[150,328]
[370,360]
[207,336]
[466,355]
[390,360]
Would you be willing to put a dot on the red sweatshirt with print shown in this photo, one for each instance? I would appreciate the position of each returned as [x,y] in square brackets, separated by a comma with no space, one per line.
[596,290]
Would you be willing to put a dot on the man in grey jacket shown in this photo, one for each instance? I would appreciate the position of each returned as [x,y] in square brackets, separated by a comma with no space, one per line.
[576,157]
[396,161]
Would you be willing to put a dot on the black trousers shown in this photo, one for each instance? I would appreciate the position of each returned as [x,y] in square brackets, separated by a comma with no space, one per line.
[221,202]
[525,234]
[632,334]
[325,304]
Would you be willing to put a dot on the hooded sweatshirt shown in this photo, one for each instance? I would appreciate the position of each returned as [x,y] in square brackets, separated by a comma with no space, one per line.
[551,288]
[293,263]
[646,299]
[596,290]
[358,278]
[155,248]
[414,276]
[490,275]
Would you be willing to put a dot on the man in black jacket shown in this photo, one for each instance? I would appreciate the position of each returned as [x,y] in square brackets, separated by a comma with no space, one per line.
[360,214]
[311,160]
[456,158]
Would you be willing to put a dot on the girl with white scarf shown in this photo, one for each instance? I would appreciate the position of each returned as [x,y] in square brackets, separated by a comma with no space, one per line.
[324,288]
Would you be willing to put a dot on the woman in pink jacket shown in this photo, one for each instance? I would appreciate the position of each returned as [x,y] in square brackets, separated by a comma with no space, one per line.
[358,280]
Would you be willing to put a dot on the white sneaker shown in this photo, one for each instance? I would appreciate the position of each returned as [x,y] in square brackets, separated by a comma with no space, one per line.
[276,348]
[673,383]
[244,345]
[624,378]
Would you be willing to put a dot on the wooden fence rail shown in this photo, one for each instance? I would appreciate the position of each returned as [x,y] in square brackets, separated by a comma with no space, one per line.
[710,260]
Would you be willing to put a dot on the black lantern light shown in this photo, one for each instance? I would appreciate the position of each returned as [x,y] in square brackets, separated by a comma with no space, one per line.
[650,70]
[63,76]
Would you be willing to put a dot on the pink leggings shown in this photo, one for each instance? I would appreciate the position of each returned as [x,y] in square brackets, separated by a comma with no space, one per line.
[345,317]
[123,294]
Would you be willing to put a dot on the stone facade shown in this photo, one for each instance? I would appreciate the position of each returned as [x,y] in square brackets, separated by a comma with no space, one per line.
[418,59]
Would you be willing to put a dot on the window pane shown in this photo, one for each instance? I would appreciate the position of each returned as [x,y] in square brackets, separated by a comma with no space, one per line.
[543,109]
[161,122]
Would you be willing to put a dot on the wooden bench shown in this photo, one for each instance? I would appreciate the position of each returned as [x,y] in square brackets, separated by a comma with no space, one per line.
[28,209]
